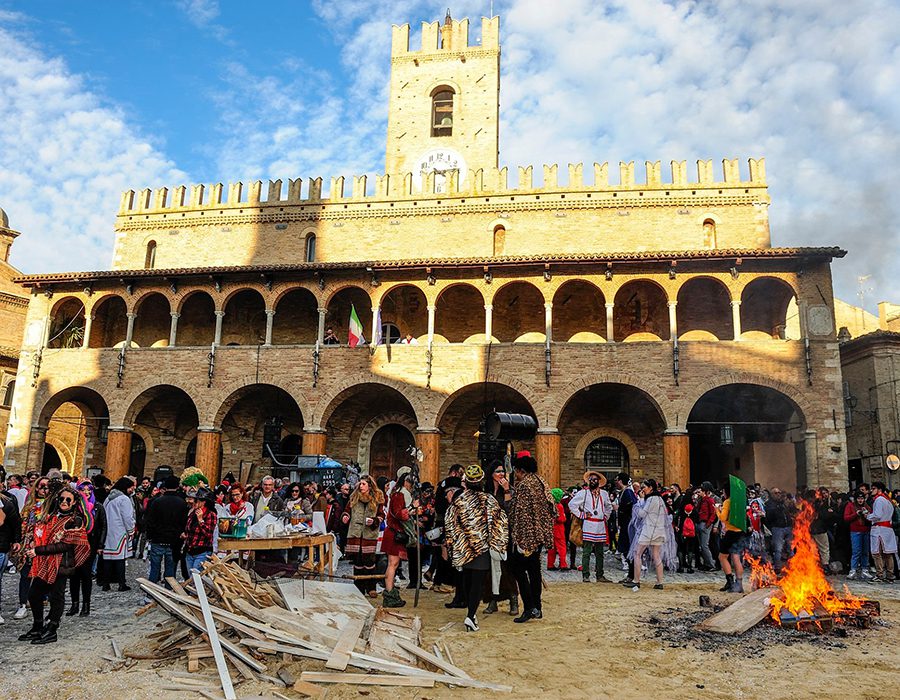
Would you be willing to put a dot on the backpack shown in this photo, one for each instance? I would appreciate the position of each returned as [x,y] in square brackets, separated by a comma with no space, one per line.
[688,529]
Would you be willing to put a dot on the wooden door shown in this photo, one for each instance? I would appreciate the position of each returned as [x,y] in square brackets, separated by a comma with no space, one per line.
[390,450]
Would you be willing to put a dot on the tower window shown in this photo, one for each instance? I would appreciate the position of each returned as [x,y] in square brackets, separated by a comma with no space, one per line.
[442,113]
[150,257]
[8,394]
[311,248]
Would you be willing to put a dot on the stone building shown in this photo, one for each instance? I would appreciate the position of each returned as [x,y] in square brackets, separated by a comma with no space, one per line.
[13,306]
[642,322]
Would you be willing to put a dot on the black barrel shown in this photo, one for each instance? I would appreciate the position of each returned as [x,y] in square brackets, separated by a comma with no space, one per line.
[510,426]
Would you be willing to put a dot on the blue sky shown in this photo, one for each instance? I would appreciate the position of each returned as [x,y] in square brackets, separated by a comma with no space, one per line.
[102,96]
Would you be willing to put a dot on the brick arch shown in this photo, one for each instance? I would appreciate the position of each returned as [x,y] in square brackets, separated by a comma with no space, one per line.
[554,407]
[796,397]
[127,410]
[282,290]
[777,278]
[98,299]
[495,290]
[364,448]
[181,297]
[81,394]
[237,289]
[140,298]
[623,437]
[332,290]
[723,279]
[333,394]
[218,405]
[66,457]
[58,304]
[379,295]
[441,288]
[509,381]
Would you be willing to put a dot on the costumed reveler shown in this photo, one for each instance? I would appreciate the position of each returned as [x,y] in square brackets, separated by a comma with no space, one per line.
[363,518]
[594,507]
[652,533]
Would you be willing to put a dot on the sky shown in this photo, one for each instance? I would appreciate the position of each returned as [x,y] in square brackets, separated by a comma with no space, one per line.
[99,97]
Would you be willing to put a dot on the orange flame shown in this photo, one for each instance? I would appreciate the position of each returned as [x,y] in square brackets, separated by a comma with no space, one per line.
[803,583]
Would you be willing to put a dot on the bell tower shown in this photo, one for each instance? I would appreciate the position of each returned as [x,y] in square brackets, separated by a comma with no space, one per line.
[444,105]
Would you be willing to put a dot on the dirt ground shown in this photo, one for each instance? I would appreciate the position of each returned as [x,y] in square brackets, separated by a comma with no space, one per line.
[595,640]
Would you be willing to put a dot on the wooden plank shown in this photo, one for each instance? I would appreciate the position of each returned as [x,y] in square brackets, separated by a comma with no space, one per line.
[213,634]
[308,689]
[346,643]
[432,659]
[741,615]
[366,679]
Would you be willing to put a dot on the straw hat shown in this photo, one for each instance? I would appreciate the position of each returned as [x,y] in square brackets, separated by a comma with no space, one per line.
[588,474]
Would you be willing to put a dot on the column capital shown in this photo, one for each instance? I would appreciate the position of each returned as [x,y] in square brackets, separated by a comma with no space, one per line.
[427,431]
[39,429]
[208,429]
[675,432]
[488,307]
[118,429]
[672,304]
[322,310]
[314,431]
[220,313]
[735,302]
[431,307]
[175,314]
[548,431]
[548,304]
[131,315]
[609,305]
[270,312]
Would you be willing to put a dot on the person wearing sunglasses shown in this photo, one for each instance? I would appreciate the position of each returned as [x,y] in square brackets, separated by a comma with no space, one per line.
[31,513]
[59,546]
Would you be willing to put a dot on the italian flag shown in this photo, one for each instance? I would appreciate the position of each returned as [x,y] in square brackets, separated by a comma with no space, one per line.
[355,335]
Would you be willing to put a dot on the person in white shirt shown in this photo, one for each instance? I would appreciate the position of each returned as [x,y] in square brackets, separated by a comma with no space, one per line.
[882,536]
[594,507]
[16,490]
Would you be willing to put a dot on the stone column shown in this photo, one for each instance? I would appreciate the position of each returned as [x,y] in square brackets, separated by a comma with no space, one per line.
[676,458]
[209,447]
[736,318]
[130,332]
[88,323]
[431,310]
[219,316]
[173,330]
[546,447]
[810,443]
[375,329]
[673,321]
[610,329]
[314,442]
[34,456]
[118,453]
[429,441]
[270,322]
[488,322]
[321,335]
[548,320]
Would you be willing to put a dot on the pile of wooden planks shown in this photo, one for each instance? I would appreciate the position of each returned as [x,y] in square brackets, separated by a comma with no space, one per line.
[245,627]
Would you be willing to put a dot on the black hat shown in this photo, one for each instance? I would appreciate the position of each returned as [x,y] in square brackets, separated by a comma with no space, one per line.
[171,483]
[123,484]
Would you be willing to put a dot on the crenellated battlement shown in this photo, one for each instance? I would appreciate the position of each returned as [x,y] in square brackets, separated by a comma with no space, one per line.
[494,181]
[451,36]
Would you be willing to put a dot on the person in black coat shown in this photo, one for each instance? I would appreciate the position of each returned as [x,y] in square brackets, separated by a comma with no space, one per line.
[164,522]
[80,582]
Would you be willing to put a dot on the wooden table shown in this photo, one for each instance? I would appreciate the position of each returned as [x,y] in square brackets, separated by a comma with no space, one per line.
[314,544]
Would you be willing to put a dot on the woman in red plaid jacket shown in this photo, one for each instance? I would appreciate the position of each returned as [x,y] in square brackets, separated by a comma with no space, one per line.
[200,529]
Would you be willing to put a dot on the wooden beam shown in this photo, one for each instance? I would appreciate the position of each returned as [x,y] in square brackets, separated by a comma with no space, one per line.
[432,659]
[366,679]
[213,635]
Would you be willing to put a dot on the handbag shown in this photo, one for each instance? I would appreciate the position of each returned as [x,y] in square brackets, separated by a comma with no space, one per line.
[576,536]
[401,537]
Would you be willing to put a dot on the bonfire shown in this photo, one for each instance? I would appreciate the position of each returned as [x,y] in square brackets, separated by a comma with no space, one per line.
[805,592]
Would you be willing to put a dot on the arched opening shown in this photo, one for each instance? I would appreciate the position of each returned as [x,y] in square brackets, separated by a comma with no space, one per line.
[339,307]
[459,313]
[77,419]
[751,431]
[291,446]
[518,314]
[764,305]
[460,421]
[579,313]
[51,459]
[641,312]
[310,248]
[709,234]
[499,239]
[405,307]
[66,324]
[153,322]
[197,323]
[167,416]
[9,393]
[610,411]
[138,459]
[442,112]
[150,257]
[390,450]
[254,421]
[353,419]
[704,304]
[244,322]
[296,319]
[110,325]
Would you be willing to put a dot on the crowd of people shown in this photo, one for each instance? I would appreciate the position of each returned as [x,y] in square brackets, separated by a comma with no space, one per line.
[479,534]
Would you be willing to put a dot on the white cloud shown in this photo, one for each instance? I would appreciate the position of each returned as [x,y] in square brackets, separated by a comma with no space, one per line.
[65,158]
[202,14]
